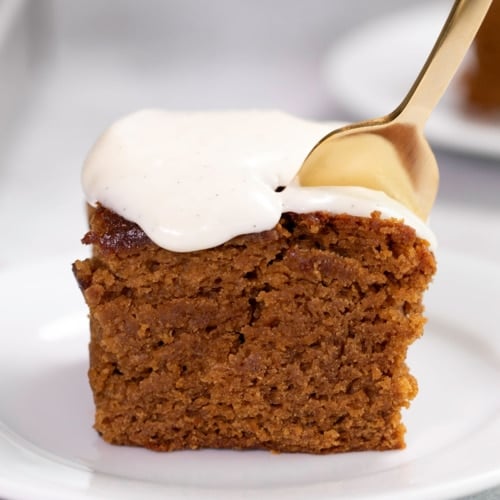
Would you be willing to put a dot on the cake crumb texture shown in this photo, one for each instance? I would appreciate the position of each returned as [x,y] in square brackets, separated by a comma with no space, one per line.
[291,340]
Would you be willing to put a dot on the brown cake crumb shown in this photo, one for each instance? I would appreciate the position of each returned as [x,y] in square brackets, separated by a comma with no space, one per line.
[292,339]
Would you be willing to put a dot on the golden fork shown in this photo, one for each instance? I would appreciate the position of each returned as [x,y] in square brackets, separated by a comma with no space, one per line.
[391,153]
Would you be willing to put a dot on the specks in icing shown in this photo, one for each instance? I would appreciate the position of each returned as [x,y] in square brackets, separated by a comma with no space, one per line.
[195,180]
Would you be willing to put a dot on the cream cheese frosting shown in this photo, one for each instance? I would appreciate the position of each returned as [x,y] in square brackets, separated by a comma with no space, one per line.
[194,180]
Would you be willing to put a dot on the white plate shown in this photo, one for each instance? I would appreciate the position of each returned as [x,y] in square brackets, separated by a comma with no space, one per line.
[49,450]
[370,71]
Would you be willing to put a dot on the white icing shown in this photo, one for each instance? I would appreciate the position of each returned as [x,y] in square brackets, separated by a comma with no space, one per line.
[195,180]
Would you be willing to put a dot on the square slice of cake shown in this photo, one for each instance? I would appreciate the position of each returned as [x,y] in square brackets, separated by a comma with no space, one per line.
[232,308]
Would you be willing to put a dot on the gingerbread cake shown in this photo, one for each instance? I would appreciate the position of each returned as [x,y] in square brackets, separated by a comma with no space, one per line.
[235,326]
[483,79]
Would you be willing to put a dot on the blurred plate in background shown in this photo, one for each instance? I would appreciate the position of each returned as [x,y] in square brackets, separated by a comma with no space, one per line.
[370,71]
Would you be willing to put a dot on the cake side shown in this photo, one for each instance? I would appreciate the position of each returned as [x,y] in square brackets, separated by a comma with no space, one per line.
[292,339]
[483,80]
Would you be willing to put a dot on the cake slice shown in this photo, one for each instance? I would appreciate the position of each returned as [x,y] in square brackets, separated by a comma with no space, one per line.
[290,337]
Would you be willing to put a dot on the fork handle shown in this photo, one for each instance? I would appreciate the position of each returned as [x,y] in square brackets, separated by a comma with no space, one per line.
[442,63]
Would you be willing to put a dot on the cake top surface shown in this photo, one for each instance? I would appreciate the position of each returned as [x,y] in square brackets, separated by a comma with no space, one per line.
[194,180]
